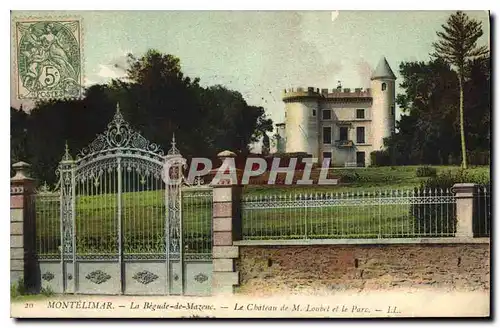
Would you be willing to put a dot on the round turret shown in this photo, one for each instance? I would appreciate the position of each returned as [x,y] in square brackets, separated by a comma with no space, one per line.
[301,120]
[383,90]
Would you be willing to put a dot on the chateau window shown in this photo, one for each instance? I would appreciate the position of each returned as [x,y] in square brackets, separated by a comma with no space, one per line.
[360,113]
[393,112]
[327,154]
[360,158]
[327,135]
[343,133]
[327,114]
[314,112]
[384,86]
[360,134]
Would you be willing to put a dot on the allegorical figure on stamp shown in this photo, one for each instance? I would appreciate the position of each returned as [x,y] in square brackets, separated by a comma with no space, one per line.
[49,59]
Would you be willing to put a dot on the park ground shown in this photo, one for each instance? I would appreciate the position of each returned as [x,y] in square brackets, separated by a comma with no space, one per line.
[365,180]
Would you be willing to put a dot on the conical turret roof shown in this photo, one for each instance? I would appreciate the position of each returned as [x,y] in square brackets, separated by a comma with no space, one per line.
[383,70]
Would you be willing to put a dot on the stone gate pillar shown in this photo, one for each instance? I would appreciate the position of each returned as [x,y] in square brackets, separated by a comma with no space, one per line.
[226,226]
[464,195]
[22,227]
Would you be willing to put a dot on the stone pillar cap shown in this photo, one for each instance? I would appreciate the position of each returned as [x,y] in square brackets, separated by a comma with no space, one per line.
[21,171]
[226,153]
[463,185]
[464,188]
[21,164]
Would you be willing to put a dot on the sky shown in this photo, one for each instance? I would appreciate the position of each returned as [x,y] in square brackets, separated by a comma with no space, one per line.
[259,53]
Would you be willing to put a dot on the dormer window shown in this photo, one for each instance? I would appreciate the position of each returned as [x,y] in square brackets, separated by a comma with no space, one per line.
[384,86]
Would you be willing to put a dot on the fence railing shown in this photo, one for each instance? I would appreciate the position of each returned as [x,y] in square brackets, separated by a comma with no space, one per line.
[48,224]
[381,214]
[197,222]
[143,223]
[482,211]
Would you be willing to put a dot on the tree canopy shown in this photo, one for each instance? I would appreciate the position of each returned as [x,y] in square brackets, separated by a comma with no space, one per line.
[157,99]
[429,129]
[456,46]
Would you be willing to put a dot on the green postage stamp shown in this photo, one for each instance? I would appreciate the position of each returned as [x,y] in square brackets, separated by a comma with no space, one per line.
[48,58]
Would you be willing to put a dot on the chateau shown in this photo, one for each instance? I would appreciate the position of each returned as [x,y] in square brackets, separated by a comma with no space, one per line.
[341,124]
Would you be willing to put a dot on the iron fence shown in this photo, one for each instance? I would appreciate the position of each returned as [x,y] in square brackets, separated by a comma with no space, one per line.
[48,226]
[143,223]
[197,222]
[380,214]
[482,211]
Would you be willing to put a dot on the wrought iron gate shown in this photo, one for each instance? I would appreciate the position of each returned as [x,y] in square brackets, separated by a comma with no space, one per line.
[125,226]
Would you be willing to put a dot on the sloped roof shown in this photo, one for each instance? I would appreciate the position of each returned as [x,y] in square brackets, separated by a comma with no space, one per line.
[383,70]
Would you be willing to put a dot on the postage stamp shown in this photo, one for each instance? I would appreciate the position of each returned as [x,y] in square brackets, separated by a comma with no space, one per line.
[48,58]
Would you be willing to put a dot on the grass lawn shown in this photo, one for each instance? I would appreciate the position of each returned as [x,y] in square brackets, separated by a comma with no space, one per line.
[28,298]
[369,180]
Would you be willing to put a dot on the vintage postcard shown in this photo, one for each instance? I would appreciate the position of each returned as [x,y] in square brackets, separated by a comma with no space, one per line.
[232,164]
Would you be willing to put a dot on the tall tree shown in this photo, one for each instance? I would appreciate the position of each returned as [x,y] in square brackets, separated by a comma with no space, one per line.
[156,99]
[431,105]
[457,45]
[18,129]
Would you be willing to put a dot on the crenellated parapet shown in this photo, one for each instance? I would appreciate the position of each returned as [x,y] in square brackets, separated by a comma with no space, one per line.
[300,92]
[311,92]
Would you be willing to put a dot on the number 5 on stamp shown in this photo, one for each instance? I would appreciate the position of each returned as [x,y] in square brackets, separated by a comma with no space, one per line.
[48,58]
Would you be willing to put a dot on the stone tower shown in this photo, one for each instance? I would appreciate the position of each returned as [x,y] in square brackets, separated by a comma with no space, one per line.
[301,120]
[383,90]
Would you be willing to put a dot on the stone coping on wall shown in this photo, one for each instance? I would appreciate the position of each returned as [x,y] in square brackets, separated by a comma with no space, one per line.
[373,241]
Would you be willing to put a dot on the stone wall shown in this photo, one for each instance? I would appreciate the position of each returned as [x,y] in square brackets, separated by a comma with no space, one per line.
[320,269]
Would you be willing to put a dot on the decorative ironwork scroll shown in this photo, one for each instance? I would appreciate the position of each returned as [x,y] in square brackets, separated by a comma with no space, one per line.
[145,277]
[174,178]
[119,135]
[48,276]
[65,172]
[201,278]
[117,183]
[98,277]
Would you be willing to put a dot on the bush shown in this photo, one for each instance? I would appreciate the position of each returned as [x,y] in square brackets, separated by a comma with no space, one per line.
[17,288]
[380,158]
[349,176]
[447,179]
[47,291]
[13,290]
[426,171]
